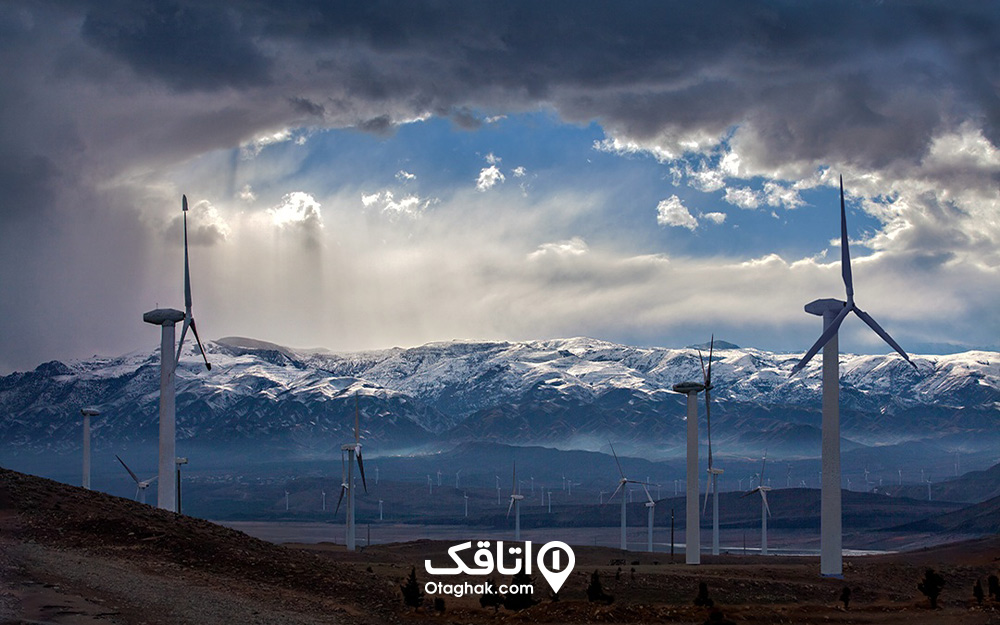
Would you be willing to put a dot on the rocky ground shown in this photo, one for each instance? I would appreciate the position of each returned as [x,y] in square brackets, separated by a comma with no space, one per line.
[70,556]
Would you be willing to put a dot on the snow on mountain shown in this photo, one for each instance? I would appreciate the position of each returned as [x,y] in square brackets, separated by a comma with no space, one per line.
[550,391]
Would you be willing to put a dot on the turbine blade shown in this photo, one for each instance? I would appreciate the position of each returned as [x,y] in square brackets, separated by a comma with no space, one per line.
[620,485]
[510,506]
[648,496]
[339,499]
[187,271]
[180,344]
[845,252]
[822,340]
[762,465]
[763,498]
[885,335]
[127,469]
[201,348]
[711,350]
[616,459]
[361,468]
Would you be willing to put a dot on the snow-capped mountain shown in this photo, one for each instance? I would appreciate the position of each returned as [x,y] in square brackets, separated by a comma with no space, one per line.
[566,392]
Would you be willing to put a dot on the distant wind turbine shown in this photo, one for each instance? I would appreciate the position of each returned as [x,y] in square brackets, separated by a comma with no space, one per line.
[166,318]
[353,451]
[765,510]
[142,485]
[623,488]
[515,503]
[87,413]
[834,312]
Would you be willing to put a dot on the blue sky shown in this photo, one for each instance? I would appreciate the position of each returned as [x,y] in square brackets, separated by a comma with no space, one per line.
[359,180]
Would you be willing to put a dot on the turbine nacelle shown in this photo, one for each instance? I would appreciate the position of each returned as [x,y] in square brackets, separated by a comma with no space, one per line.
[163,316]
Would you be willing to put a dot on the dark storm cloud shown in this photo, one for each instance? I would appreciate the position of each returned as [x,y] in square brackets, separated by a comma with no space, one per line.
[99,99]
[190,45]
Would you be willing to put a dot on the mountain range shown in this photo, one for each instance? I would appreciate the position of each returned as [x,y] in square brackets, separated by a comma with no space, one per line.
[575,393]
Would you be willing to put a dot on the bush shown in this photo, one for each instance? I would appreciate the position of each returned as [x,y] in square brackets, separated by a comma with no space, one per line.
[702,600]
[518,601]
[595,591]
[412,595]
[931,586]
[977,592]
[439,604]
[845,596]
[993,586]
[491,598]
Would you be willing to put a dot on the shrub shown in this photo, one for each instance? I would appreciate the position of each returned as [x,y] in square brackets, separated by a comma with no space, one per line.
[439,604]
[845,596]
[993,586]
[595,591]
[931,586]
[412,595]
[702,600]
[977,592]
[491,598]
[519,601]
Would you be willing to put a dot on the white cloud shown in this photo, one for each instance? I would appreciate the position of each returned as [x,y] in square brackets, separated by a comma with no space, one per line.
[781,196]
[246,194]
[743,197]
[410,206]
[493,159]
[672,212]
[297,209]
[715,217]
[404,176]
[489,177]
[566,249]
[519,172]
[253,147]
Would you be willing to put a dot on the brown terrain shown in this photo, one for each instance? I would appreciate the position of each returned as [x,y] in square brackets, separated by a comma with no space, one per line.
[71,556]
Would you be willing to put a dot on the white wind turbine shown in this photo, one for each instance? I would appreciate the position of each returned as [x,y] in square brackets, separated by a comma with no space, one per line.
[515,503]
[166,318]
[713,472]
[622,486]
[353,451]
[87,413]
[466,497]
[834,312]
[765,510]
[692,527]
[142,485]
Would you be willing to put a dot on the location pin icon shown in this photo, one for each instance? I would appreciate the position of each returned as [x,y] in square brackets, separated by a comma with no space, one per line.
[557,577]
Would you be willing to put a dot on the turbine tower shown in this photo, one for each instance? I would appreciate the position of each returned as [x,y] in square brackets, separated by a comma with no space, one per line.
[515,503]
[140,485]
[765,510]
[713,472]
[87,414]
[166,318]
[834,312]
[692,530]
[353,451]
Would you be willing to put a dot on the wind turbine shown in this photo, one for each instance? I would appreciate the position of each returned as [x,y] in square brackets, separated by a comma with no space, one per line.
[166,318]
[713,473]
[834,312]
[765,510]
[515,503]
[286,501]
[928,488]
[87,413]
[142,485]
[379,509]
[466,497]
[622,487]
[692,529]
[353,451]
[324,500]
[650,509]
